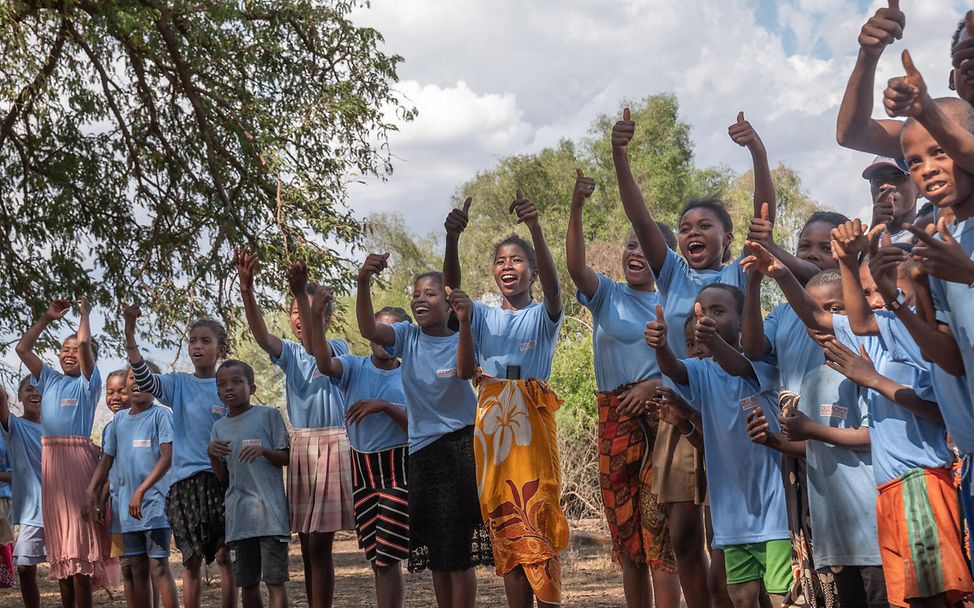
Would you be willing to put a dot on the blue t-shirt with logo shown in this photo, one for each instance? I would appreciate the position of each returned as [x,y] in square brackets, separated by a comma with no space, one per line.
[67,402]
[313,401]
[524,337]
[360,381]
[24,451]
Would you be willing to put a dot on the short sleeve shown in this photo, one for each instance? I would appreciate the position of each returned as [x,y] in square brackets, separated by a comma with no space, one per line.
[278,430]
[403,331]
[734,274]
[896,336]
[338,346]
[923,386]
[110,440]
[288,359]
[348,373]
[771,329]
[168,387]
[92,385]
[550,327]
[478,319]
[214,433]
[599,298]
[47,375]
[843,331]
[695,378]
[767,376]
[164,427]
[673,274]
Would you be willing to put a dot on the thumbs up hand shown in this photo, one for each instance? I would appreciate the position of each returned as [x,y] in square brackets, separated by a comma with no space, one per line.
[744,135]
[456,221]
[527,213]
[460,303]
[762,229]
[906,95]
[705,328]
[655,333]
[622,132]
[584,188]
[882,29]
[373,265]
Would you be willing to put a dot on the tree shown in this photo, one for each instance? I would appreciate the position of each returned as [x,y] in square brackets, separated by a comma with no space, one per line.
[140,140]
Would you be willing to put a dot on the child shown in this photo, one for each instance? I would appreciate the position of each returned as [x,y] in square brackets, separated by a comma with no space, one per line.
[319,475]
[116,398]
[138,449]
[77,551]
[248,449]
[23,437]
[376,420]
[894,196]
[626,379]
[446,530]
[705,232]
[194,506]
[747,502]
[514,341]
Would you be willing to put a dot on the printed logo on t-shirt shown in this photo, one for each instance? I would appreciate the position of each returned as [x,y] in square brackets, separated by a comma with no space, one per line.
[69,403]
[830,410]
[749,402]
[141,443]
[446,373]
[528,345]
[250,443]
[219,410]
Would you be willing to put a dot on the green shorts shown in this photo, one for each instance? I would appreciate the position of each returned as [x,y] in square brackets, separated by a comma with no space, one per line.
[770,561]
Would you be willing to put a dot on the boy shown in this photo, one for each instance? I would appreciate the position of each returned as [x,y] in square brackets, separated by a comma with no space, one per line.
[747,502]
[894,196]
[248,450]
[138,452]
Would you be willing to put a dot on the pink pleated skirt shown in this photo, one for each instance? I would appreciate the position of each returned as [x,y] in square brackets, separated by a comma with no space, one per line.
[74,546]
[319,481]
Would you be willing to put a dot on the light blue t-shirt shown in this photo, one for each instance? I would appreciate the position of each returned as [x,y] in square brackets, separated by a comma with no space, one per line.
[525,337]
[619,316]
[747,495]
[792,350]
[255,501]
[679,284]
[4,468]
[133,441]
[900,441]
[67,402]
[841,491]
[195,407]
[313,401]
[361,380]
[24,450]
[114,479]
[437,400]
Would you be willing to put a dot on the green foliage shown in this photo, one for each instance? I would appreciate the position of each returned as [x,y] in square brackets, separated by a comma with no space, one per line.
[140,141]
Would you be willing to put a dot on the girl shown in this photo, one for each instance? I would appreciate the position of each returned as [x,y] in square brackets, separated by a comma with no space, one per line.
[23,435]
[447,533]
[77,551]
[377,430]
[194,506]
[515,441]
[319,473]
[627,376]
[704,237]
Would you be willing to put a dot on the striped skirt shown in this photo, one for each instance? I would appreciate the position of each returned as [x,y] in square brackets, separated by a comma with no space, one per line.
[74,546]
[381,505]
[319,481]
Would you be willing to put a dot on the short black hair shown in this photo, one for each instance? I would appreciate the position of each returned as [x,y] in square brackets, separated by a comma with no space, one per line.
[826,277]
[396,312]
[832,218]
[734,291]
[248,371]
[528,249]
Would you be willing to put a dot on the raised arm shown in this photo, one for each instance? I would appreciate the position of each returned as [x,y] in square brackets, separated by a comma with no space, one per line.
[297,280]
[380,333]
[855,127]
[4,409]
[466,360]
[669,365]
[647,232]
[811,314]
[86,354]
[527,214]
[246,262]
[859,368]
[744,135]
[146,380]
[761,231]
[582,275]
[25,347]
[756,345]
[848,244]
[157,473]
[327,364]
[455,224]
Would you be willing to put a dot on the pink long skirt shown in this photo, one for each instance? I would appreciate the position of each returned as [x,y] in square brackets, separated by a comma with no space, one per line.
[319,481]
[74,546]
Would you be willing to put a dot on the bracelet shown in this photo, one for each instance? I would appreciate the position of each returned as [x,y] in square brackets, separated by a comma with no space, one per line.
[693,429]
[132,346]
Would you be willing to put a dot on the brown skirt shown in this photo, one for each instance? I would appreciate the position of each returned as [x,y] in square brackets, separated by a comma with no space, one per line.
[678,469]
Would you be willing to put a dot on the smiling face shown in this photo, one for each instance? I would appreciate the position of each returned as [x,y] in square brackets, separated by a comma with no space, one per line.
[68,356]
[512,270]
[30,398]
[116,396]
[703,238]
[136,397]
[634,264]
[815,245]
[936,176]
[233,387]
[204,347]
[721,306]
[429,305]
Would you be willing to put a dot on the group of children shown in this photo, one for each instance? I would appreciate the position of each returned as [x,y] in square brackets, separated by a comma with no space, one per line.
[819,455]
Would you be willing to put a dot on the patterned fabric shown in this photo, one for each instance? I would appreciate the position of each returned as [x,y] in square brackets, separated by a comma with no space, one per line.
[7,578]
[637,523]
[519,480]
[381,505]
[194,508]
[74,546]
[319,481]
[920,538]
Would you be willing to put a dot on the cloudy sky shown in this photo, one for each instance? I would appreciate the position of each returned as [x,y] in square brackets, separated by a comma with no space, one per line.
[503,77]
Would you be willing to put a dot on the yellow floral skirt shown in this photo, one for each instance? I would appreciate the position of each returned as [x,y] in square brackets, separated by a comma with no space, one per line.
[519,479]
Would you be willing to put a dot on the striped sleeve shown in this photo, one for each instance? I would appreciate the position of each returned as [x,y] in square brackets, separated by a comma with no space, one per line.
[146,380]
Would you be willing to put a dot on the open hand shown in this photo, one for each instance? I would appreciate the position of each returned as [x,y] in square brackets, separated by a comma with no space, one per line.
[635,400]
[57,309]
[366,407]
[297,278]
[245,261]
[762,261]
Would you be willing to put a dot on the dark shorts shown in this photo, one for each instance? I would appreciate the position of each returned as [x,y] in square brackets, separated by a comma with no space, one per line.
[858,586]
[194,508]
[152,543]
[263,558]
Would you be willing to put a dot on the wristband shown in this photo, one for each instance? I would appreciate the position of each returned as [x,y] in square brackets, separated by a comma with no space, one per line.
[898,300]
[132,346]
[693,429]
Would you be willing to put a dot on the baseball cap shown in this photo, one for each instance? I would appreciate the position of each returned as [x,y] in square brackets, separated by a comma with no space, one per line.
[882,161]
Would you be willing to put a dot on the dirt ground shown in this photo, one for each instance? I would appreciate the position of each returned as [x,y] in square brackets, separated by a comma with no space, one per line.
[590,580]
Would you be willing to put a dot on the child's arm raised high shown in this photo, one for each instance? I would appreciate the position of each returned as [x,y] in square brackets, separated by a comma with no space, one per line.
[246,262]
[380,333]
[144,377]
[25,347]
[582,275]
[729,358]
[456,223]
[755,343]
[86,353]
[527,214]
[327,363]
